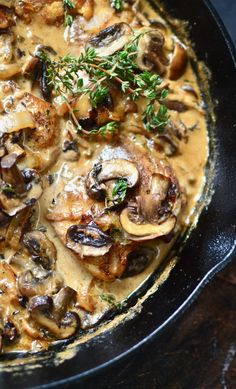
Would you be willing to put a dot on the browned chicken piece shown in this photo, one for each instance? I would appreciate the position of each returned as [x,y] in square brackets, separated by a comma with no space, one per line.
[85,8]
[53,13]
[44,115]
[81,217]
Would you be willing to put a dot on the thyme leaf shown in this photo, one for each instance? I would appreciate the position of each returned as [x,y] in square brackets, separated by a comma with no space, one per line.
[8,190]
[119,191]
[110,300]
[68,19]
[117,4]
[107,128]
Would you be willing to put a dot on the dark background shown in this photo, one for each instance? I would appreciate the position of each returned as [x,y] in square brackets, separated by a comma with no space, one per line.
[199,350]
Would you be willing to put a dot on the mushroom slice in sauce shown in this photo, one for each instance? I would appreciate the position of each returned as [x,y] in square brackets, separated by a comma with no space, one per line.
[16,121]
[106,171]
[138,260]
[88,240]
[145,231]
[151,52]
[111,39]
[43,251]
[30,285]
[40,308]
[153,215]
[16,195]
[12,175]
[178,62]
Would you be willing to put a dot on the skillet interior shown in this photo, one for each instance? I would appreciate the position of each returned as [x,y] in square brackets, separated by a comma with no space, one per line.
[209,247]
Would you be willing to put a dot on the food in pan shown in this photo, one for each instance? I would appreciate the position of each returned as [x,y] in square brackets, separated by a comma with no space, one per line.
[103,146]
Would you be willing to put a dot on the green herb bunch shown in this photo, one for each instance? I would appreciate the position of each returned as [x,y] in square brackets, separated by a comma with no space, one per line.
[66,75]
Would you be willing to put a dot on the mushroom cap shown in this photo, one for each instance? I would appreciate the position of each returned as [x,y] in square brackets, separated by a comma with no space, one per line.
[145,231]
[111,39]
[110,170]
[40,309]
[88,240]
[43,251]
[138,260]
[150,51]
[30,286]
[179,62]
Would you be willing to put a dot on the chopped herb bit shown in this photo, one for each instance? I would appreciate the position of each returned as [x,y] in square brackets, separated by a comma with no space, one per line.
[117,4]
[98,95]
[119,191]
[68,4]
[110,300]
[8,190]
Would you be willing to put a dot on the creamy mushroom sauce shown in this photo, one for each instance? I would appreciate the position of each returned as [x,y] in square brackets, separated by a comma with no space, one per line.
[54,282]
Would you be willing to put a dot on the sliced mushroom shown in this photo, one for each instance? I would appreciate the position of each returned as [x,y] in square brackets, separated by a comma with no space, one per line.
[19,195]
[29,285]
[88,240]
[138,260]
[175,105]
[111,39]
[40,308]
[11,173]
[107,171]
[151,52]
[9,332]
[43,251]
[16,121]
[16,228]
[144,231]
[178,62]
[153,215]
[30,65]
[62,300]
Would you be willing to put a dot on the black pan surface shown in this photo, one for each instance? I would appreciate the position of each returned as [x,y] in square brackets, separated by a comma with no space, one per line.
[209,248]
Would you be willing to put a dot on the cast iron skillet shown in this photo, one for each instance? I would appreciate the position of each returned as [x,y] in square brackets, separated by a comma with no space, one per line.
[210,247]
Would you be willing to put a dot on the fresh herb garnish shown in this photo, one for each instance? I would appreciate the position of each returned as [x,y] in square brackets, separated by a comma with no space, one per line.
[68,5]
[155,120]
[107,128]
[117,4]
[110,300]
[119,191]
[67,73]
[118,194]
[8,190]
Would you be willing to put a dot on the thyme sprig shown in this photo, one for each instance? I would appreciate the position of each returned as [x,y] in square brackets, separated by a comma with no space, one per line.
[93,75]
[68,19]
